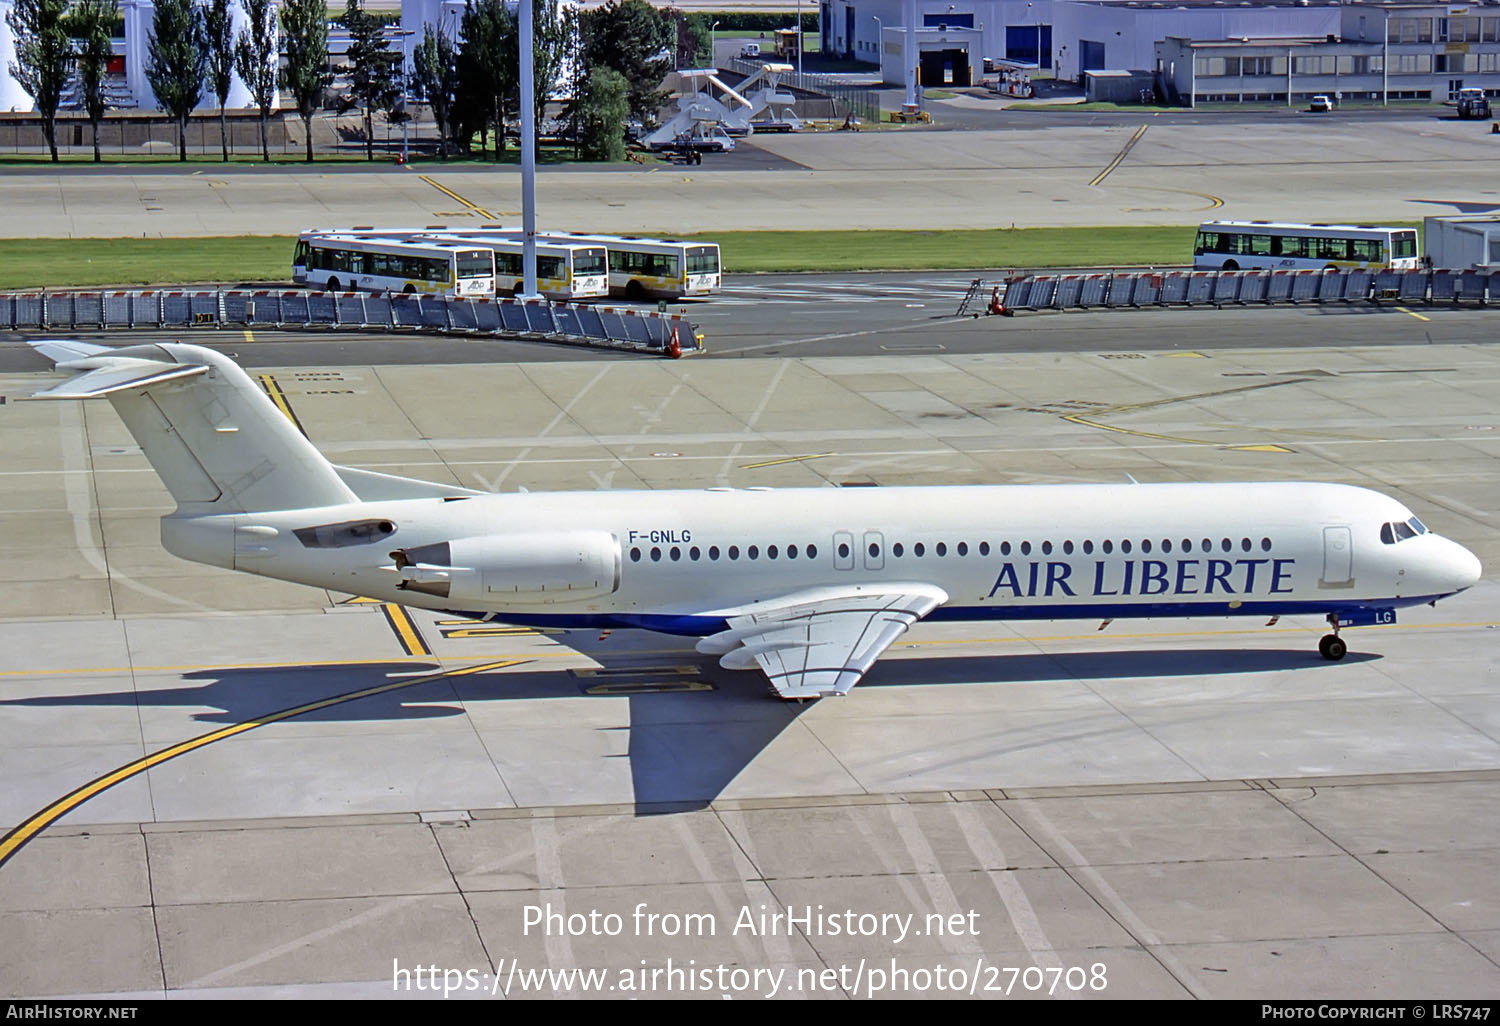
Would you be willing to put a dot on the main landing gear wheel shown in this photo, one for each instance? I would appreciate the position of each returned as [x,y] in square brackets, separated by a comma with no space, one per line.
[1332,647]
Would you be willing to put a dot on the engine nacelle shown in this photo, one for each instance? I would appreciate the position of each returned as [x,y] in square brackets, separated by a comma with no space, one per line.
[540,568]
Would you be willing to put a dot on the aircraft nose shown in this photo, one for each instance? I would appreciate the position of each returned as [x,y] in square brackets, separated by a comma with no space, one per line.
[1464,568]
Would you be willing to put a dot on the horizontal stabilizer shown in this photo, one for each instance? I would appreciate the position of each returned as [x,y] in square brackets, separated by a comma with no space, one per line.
[101,375]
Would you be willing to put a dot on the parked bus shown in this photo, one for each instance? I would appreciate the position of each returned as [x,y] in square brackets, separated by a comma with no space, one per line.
[1243,245]
[639,267]
[565,270]
[336,262]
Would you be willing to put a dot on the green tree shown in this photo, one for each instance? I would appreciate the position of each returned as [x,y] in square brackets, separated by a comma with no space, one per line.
[488,69]
[175,61]
[92,22]
[694,39]
[43,53]
[637,40]
[551,39]
[305,23]
[606,105]
[218,41]
[373,67]
[255,59]
[436,79]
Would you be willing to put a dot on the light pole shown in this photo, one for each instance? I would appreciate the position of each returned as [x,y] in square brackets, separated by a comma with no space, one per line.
[405,35]
[528,155]
[879,46]
[713,46]
[799,42]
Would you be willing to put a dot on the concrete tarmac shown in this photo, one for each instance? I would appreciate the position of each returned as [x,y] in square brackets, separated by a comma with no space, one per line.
[299,795]
[1152,170]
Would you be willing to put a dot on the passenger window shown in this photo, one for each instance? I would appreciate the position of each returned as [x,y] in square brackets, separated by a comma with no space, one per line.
[770,552]
[734,552]
[984,548]
[753,552]
[635,554]
[676,553]
[897,549]
[1088,547]
[963,548]
[1046,548]
[843,550]
[1265,545]
[1166,545]
[713,552]
[1005,548]
[1026,548]
[656,555]
[1125,545]
[791,552]
[919,549]
[1108,547]
[812,552]
[942,548]
[1067,548]
[1146,545]
[693,553]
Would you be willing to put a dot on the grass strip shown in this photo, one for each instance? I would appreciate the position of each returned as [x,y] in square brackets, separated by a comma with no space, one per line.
[75,263]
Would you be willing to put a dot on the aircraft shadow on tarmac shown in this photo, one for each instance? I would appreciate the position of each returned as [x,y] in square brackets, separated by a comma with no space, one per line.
[685,746]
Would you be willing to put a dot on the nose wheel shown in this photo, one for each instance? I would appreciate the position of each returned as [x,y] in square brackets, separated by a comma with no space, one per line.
[1331,646]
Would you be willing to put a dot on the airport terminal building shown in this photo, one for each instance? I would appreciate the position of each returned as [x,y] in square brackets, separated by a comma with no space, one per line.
[1185,52]
[1188,51]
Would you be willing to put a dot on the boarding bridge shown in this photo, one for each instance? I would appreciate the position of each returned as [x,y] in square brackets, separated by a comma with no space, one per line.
[715,105]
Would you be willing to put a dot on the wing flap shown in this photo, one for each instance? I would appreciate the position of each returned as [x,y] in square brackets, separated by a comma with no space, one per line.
[817,646]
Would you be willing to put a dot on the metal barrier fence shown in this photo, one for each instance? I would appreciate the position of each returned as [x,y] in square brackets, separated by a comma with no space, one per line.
[599,326]
[1109,290]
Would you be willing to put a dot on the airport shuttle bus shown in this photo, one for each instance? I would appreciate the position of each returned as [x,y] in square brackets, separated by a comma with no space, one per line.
[808,585]
[338,262]
[639,267]
[1250,245]
[565,270]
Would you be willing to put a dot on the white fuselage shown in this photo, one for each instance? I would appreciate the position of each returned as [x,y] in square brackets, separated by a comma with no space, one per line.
[684,561]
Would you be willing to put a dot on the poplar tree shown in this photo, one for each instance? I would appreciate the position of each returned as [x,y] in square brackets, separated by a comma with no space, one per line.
[305,23]
[175,62]
[218,41]
[43,53]
[435,65]
[255,60]
[93,21]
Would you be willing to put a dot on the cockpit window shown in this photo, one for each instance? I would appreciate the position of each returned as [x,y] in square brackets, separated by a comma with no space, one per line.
[1390,534]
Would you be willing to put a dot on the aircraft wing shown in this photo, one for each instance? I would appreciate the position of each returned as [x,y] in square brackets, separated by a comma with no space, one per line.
[819,644]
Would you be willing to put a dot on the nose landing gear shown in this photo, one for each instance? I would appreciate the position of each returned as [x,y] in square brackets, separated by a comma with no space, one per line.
[1331,646]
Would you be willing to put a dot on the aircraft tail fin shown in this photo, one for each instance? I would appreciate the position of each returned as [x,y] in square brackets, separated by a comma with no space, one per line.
[213,436]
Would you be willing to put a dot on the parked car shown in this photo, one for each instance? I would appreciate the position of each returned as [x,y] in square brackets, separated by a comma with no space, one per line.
[1320,103]
[750,52]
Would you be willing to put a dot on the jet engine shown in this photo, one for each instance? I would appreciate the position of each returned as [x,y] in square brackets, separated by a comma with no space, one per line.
[530,569]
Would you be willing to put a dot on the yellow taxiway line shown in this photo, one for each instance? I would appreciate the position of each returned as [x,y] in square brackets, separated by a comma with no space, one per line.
[18,838]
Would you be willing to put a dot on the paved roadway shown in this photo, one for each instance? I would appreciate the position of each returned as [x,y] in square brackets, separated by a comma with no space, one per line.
[1025,170]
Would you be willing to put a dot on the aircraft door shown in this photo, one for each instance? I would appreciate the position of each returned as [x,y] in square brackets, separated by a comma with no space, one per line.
[843,550]
[874,550]
[1338,558]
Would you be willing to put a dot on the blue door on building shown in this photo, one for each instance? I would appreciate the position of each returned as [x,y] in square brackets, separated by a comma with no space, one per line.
[1021,44]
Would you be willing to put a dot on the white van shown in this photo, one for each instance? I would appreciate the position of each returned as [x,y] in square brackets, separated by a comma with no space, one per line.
[750,52]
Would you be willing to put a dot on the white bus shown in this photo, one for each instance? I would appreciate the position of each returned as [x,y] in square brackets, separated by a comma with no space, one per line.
[337,262]
[564,270]
[1245,245]
[641,267]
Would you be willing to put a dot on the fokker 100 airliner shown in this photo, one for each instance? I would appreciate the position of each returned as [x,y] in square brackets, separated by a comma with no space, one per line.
[810,585]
